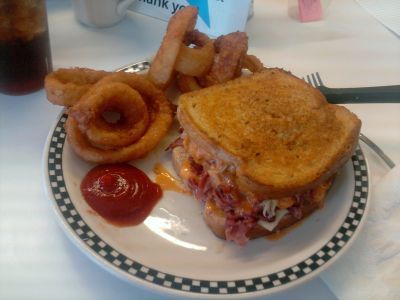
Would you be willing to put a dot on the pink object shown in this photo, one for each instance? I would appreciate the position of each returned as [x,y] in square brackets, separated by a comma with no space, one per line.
[310,10]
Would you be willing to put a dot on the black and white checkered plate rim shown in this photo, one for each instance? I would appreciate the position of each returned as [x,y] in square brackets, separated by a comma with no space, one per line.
[132,269]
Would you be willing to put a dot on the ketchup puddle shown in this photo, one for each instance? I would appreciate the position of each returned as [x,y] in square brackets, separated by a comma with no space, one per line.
[120,193]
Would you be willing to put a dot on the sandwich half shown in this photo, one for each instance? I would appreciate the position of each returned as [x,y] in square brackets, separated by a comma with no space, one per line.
[260,152]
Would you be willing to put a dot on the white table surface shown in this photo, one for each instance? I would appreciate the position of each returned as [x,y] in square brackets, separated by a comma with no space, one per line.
[38,261]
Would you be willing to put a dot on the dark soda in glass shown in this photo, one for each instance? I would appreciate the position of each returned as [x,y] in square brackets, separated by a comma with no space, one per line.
[25,57]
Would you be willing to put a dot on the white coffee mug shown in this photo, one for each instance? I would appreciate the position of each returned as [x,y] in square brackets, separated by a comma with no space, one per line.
[100,13]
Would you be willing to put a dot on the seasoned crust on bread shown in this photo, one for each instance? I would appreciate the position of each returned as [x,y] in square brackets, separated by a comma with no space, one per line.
[279,132]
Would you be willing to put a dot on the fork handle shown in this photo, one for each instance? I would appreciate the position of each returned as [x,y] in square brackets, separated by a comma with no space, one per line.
[376,94]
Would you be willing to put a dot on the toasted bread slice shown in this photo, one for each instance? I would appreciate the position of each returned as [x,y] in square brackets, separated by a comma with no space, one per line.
[279,132]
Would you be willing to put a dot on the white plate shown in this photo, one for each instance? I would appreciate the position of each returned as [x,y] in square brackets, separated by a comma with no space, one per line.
[174,252]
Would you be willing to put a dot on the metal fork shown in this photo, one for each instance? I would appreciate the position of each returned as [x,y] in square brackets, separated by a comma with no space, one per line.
[315,80]
[373,94]
[377,150]
[134,67]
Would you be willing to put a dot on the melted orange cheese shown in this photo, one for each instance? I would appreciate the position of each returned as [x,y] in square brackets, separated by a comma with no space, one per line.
[185,171]
[286,202]
[167,181]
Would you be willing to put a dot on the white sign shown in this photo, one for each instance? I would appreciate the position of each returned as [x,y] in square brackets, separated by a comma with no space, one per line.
[216,17]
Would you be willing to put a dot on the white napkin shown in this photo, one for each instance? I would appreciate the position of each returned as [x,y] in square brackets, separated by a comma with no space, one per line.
[370,269]
[385,11]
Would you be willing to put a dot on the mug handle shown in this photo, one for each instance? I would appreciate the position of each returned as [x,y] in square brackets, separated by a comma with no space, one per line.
[123,6]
